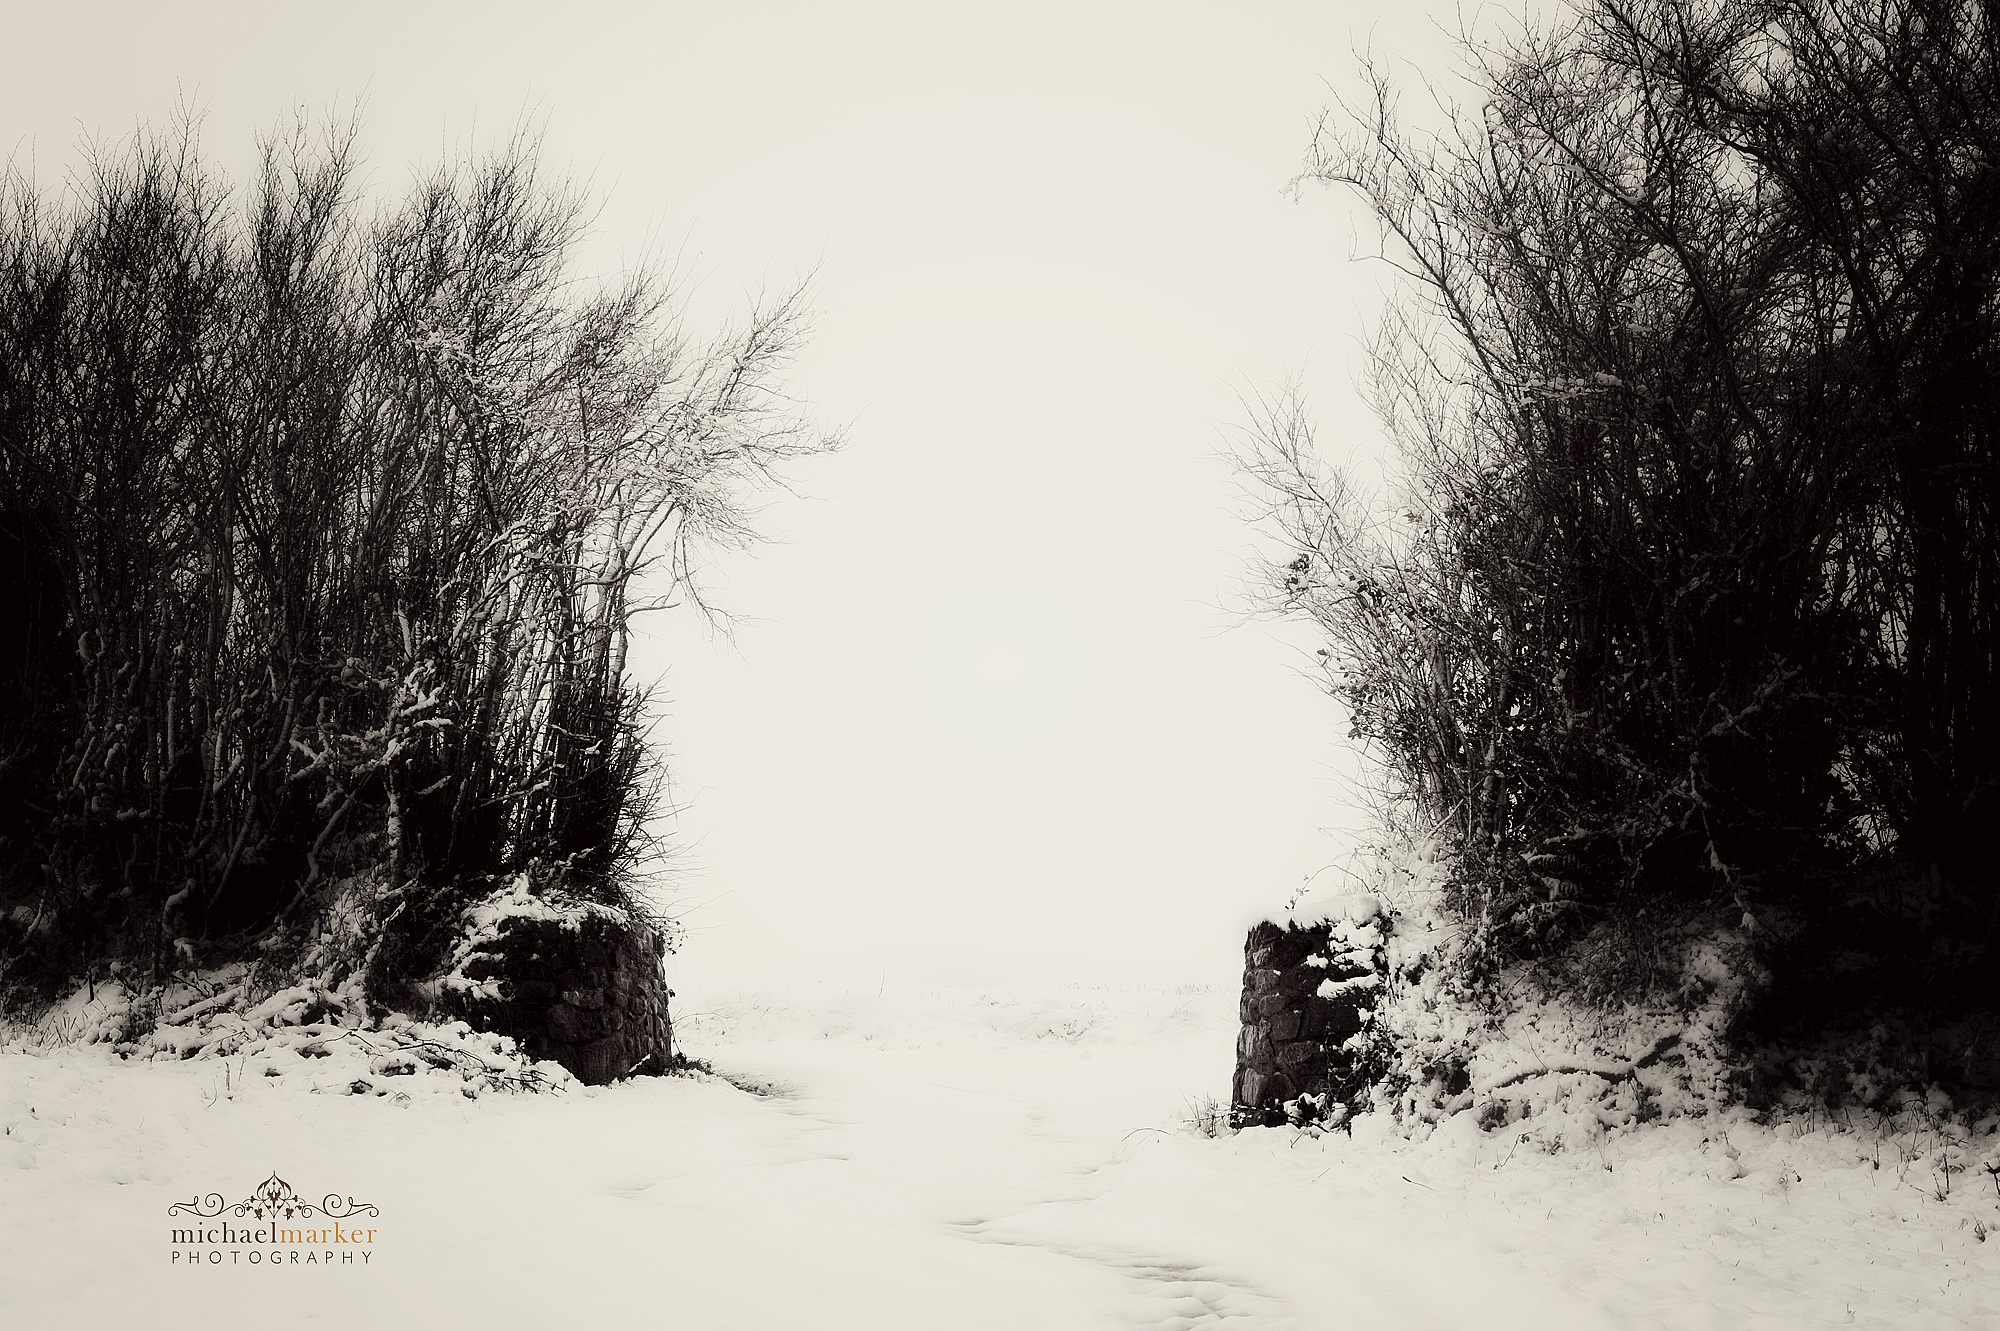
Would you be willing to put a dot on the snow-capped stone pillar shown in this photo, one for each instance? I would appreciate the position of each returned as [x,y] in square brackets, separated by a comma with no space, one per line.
[1290,1041]
[573,981]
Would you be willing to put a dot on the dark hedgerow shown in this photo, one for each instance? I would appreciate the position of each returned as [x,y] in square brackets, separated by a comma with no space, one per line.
[324,533]
[1691,617]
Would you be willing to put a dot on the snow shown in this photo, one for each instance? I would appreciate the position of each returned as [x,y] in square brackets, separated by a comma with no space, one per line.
[1338,988]
[950,1159]
[484,922]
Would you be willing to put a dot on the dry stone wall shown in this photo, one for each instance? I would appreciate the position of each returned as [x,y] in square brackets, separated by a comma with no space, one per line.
[583,986]
[1289,1044]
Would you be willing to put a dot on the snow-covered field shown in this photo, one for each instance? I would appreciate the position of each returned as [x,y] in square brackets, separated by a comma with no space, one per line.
[949,1160]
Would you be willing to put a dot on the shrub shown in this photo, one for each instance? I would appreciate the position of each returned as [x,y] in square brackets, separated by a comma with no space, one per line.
[329,532]
[1687,617]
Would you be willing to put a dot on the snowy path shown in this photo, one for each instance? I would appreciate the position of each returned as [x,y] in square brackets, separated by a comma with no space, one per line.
[869,1190]
[1048,1161]
[999,1168]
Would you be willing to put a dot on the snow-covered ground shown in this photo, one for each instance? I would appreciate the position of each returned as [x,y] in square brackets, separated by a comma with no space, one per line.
[943,1159]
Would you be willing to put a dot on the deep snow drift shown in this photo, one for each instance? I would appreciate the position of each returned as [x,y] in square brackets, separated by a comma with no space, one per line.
[944,1159]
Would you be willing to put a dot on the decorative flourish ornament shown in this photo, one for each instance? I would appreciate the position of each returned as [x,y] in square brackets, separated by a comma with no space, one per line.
[273,1199]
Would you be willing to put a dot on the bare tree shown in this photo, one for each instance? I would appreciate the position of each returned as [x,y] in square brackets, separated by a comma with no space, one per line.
[333,532]
[1695,377]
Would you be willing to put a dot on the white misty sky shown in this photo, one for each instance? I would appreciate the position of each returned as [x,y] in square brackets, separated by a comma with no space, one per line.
[987,717]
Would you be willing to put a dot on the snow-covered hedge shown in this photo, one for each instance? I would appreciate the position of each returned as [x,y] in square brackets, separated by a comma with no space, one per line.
[1514,1047]
[306,1032]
